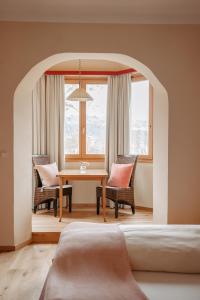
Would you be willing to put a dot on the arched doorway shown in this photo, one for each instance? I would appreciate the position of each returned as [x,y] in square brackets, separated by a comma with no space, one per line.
[23,139]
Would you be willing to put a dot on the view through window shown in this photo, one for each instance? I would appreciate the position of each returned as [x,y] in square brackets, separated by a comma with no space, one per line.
[71,124]
[96,119]
[139,118]
[85,122]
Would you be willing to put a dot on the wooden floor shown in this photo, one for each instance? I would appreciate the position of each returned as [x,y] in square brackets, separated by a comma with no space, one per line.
[23,272]
[44,221]
[46,228]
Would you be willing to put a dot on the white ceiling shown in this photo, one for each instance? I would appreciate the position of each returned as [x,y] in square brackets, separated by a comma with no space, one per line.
[89,65]
[102,11]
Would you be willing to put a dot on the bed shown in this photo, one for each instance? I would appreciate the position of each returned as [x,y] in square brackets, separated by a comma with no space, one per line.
[165,260]
[97,261]
[169,286]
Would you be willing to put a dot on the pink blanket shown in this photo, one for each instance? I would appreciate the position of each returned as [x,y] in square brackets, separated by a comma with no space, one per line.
[91,263]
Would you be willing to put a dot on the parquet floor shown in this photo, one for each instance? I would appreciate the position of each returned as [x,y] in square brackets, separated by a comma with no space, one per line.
[23,272]
[44,221]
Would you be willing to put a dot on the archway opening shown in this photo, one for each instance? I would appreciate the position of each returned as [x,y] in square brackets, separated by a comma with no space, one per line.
[23,139]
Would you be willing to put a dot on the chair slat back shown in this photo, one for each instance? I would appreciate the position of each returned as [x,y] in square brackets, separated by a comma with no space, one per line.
[128,159]
[39,160]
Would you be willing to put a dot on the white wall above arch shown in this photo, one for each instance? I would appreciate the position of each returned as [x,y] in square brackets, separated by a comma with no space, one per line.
[23,139]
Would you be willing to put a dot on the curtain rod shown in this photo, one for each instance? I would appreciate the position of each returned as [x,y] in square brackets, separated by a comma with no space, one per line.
[90,72]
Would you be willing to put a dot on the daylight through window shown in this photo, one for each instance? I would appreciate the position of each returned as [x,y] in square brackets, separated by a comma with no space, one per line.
[85,122]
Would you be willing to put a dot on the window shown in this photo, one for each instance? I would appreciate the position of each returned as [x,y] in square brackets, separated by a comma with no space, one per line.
[85,122]
[71,125]
[141,119]
[96,119]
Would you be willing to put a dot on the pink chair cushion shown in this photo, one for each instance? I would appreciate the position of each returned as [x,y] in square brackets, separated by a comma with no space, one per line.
[120,175]
[48,174]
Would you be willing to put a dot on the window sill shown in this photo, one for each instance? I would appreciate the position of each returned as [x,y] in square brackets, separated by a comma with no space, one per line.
[101,158]
[145,159]
[88,158]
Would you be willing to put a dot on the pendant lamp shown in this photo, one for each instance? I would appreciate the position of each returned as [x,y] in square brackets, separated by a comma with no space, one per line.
[80,93]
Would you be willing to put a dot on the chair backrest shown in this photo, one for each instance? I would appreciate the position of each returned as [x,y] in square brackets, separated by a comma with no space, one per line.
[39,160]
[128,159]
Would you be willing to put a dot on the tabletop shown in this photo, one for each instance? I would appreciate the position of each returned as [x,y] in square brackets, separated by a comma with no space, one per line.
[80,173]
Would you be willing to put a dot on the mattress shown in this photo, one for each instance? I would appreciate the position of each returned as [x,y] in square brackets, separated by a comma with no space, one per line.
[163,248]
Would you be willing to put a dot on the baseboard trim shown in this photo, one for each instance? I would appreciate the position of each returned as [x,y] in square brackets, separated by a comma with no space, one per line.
[93,205]
[7,248]
[84,205]
[144,208]
[15,247]
[21,245]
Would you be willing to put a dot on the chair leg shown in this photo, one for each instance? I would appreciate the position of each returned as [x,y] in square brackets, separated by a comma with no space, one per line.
[49,205]
[133,209]
[67,201]
[35,209]
[55,207]
[70,203]
[98,205]
[116,209]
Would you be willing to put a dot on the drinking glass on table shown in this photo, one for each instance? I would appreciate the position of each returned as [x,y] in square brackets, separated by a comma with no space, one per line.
[83,166]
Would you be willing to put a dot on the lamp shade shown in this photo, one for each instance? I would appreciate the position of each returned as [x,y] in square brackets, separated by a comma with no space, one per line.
[79,94]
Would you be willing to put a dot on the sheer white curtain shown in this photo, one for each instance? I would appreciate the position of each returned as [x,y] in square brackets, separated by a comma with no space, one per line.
[48,118]
[55,107]
[117,127]
[39,118]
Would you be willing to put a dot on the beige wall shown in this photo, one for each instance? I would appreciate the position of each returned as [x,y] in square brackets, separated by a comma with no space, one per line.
[171,52]
[85,192]
[144,185]
[23,134]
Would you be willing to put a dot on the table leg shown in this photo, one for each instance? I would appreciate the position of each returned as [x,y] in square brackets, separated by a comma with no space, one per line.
[101,202]
[104,198]
[60,197]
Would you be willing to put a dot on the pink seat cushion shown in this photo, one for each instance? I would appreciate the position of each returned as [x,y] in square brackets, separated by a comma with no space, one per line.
[120,175]
[48,174]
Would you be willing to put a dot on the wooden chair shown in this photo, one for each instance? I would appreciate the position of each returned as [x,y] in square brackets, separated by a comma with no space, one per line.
[120,195]
[44,194]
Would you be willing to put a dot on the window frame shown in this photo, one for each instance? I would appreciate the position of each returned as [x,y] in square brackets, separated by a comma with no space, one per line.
[149,157]
[82,156]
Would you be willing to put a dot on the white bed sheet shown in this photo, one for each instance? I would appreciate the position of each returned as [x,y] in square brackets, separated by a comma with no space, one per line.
[169,286]
[171,248]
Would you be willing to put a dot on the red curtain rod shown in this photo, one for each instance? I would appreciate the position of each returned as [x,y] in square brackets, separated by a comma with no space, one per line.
[90,72]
